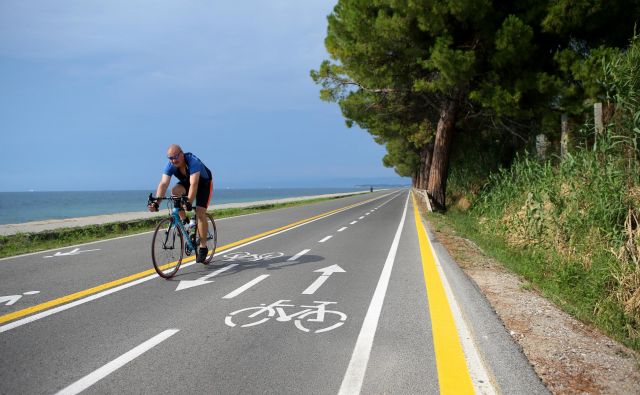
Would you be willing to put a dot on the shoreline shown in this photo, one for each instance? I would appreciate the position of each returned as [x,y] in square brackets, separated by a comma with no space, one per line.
[52,224]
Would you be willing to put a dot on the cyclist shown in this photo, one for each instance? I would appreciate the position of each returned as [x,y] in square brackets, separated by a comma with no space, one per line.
[195,182]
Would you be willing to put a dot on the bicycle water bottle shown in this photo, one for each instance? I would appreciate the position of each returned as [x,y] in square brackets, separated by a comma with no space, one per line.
[192,224]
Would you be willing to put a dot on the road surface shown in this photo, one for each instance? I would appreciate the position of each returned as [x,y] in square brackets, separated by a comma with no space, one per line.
[342,296]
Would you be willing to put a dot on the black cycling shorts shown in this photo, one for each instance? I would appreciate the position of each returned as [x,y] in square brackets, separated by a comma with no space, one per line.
[204,193]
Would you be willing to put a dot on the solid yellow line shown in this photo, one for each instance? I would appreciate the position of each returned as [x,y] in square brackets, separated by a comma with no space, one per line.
[453,374]
[111,284]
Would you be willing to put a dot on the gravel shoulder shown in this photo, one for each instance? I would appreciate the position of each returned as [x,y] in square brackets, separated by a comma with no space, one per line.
[569,356]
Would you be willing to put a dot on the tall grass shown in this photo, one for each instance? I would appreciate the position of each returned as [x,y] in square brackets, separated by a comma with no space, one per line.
[576,220]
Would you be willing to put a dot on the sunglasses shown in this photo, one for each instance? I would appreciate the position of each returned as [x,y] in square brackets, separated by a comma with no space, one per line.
[175,157]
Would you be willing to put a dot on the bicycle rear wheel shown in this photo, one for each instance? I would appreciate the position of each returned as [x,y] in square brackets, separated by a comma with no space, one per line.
[212,239]
[167,248]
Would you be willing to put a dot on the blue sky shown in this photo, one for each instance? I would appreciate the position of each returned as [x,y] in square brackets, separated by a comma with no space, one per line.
[93,92]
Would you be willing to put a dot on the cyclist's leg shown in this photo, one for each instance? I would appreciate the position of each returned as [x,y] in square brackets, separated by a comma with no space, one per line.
[180,189]
[203,197]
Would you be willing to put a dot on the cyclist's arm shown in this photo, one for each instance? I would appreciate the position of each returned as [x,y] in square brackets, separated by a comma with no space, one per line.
[194,179]
[163,185]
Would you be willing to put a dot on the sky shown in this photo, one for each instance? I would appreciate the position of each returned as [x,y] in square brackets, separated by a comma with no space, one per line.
[92,93]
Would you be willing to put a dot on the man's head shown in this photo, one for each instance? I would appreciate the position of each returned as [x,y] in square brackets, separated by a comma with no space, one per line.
[175,155]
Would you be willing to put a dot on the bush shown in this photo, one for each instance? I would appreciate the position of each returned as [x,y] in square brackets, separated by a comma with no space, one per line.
[578,218]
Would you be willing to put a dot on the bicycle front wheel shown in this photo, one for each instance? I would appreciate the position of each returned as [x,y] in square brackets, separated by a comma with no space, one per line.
[212,239]
[167,248]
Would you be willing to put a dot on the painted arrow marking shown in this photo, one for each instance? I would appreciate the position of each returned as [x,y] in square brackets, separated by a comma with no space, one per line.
[75,251]
[186,284]
[11,299]
[326,272]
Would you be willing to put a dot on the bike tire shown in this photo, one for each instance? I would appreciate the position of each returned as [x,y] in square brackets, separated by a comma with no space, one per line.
[212,239]
[167,248]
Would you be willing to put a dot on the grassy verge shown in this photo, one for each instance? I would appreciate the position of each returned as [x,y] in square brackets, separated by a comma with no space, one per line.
[581,292]
[23,243]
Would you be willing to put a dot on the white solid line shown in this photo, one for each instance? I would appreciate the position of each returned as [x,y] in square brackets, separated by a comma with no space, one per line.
[341,229]
[245,287]
[316,284]
[97,375]
[353,222]
[298,255]
[325,239]
[353,378]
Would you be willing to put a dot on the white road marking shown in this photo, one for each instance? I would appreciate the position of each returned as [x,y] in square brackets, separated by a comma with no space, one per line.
[186,284]
[97,375]
[326,272]
[11,299]
[298,255]
[353,378]
[325,239]
[353,222]
[341,229]
[367,213]
[75,251]
[245,287]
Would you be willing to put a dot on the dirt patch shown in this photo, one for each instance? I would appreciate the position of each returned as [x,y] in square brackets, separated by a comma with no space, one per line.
[569,356]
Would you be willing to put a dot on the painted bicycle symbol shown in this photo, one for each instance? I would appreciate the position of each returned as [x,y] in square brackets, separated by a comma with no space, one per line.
[249,257]
[313,318]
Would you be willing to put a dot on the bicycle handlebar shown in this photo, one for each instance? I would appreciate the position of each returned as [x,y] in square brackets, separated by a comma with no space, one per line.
[179,200]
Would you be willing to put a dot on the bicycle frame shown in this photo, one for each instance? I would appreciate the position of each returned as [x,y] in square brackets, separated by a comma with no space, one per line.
[178,222]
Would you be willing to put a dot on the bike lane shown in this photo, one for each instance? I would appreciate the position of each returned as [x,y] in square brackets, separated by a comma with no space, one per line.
[65,347]
[41,278]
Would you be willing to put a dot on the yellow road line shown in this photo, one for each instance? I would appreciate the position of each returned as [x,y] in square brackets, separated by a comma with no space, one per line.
[453,374]
[68,298]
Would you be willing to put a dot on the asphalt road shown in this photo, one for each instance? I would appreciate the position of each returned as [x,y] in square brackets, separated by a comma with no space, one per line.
[337,303]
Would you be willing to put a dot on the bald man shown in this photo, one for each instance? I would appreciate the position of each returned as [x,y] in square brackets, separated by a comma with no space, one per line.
[194,181]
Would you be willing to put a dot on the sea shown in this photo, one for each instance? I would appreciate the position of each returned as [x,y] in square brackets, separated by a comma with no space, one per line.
[19,207]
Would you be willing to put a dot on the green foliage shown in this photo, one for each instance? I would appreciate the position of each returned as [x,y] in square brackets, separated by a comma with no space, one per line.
[453,68]
[571,226]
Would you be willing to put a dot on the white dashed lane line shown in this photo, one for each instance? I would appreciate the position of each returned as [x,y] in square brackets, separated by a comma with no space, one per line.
[341,229]
[298,255]
[325,239]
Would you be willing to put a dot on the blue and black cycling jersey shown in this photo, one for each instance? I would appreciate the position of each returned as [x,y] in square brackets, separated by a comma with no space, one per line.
[194,165]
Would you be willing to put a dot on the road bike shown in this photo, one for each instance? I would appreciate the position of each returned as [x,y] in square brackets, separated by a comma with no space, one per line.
[172,239]
[310,317]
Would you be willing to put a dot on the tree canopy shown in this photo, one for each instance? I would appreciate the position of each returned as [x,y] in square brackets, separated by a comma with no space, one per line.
[415,72]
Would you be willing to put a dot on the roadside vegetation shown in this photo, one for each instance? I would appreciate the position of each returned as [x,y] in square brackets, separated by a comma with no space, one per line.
[23,243]
[521,120]
[569,225]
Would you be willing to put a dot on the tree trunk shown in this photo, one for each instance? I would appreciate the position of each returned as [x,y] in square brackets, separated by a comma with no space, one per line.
[440,161]
[426,156]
